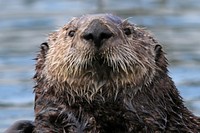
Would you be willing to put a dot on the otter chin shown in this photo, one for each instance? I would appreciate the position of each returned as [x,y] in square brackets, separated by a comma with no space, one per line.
[111,76]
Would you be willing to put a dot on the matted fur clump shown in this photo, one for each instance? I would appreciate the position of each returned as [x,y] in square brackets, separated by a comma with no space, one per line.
[99,73]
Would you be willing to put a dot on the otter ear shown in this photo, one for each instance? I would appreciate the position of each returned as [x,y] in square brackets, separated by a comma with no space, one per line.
[44,47]
[160,58]
[40,59]
[158,52]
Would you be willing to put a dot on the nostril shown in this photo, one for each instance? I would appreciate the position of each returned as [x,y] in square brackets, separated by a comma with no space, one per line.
[88,37]
[97,37]
[105,36]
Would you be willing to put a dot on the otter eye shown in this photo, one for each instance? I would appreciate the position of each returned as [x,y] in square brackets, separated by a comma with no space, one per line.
[127,31]
[71,33]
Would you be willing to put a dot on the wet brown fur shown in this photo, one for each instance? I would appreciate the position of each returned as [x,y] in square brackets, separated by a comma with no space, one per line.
[121,87]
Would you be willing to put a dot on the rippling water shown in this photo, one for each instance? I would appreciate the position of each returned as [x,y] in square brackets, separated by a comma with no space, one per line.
[24,24]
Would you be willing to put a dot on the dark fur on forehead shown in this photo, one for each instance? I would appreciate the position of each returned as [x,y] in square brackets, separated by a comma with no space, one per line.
[114,19]
[78,21]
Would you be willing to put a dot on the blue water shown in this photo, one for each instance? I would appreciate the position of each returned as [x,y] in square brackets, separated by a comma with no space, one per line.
[25,24]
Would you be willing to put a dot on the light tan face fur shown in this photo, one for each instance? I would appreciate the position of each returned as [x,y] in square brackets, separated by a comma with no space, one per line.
[126,58]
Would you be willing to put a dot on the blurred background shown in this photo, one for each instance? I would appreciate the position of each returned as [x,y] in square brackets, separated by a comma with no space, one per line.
[25,24]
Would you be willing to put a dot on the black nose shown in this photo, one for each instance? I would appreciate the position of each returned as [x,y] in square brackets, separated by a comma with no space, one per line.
[97,32]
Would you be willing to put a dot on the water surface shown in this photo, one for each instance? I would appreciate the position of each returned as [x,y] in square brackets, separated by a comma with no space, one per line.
[25,24]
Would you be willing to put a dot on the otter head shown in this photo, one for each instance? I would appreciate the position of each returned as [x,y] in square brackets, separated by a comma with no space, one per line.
[101,51]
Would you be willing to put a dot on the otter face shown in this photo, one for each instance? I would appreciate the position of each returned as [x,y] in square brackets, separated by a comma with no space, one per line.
[99,49]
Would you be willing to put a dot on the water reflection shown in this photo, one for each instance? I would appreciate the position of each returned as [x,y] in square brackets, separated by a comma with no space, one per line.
[24,24]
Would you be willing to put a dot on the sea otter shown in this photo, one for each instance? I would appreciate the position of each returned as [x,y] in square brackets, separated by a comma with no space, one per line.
[108,76]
